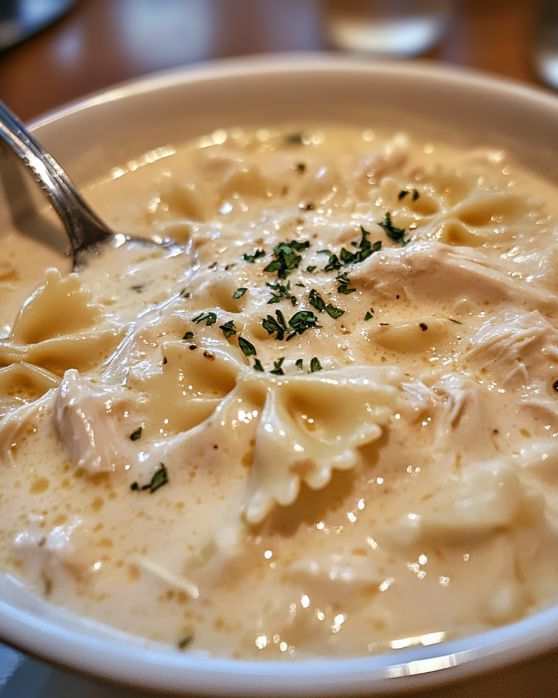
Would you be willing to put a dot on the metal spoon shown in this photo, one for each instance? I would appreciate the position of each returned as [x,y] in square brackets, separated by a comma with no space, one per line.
[86,231]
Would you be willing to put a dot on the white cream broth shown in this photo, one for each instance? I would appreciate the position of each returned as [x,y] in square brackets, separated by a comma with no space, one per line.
[368,462]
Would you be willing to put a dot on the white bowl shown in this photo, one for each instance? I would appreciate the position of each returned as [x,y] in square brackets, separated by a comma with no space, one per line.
[93,136]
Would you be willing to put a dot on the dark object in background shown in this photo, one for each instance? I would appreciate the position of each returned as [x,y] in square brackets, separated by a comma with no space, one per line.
[20,19]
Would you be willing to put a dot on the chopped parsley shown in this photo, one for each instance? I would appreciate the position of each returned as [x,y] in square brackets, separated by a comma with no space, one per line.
[228,329]
[369,314]
[258,365]
[316,301]
[277,370]
[136,434]
[396,234]
[295,138]
[281,292]
[297,324]
[344,284]
[252,257]
[188,335]
[364,249]
[247,348]
[209,318]
[315,365]
[276,325]
[298,363]
[239,293]
[159,479]
[333,262]
[312,268]
[302,321]
[286,258]
[184,642]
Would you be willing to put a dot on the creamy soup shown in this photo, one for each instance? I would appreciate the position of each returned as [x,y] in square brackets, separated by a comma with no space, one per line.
[325,425]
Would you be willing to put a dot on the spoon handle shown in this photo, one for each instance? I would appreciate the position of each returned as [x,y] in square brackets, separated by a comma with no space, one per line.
[83,226]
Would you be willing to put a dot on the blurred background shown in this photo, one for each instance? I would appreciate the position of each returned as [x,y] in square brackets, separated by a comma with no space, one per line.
[55,51]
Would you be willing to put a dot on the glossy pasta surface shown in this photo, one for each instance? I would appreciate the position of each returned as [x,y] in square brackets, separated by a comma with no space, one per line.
[327,426]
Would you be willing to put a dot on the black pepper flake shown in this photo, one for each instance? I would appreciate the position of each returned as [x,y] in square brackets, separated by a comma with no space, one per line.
[209,355]
[300,167]
[402,194]
[215,447]
[423,326]
[213,265]
[192,347]
[308,206]
[415,195]
[165,360]
[555,386]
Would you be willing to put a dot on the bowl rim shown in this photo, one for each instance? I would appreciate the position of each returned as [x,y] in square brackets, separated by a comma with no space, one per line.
[152,666]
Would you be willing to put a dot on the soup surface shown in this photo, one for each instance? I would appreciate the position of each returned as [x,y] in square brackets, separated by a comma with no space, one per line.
[325,425]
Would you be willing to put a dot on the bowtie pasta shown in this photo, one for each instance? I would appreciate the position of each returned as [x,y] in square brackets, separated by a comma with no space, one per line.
[325,426]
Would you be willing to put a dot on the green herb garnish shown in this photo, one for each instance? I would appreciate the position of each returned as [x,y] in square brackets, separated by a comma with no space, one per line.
[369,314]
[281,292]
[396,234]
[277,370]
[247,348]
[239,293]
[136,434]
[258,365]
[333,261]
[184,642]
[209,318]
[286,257]
[159,479]
[302,321]
[343,284]
[312,268]
[316,301]
[228,329]
[188,335]
[295,138]
[252,257]
[315,365]
[298,363]
[277,325]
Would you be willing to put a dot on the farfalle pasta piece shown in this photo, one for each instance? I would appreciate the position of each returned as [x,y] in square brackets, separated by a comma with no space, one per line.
[59,307]
[82,350]
[23,382]
[312,425]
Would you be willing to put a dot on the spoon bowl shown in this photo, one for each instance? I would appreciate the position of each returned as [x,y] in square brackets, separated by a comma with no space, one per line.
[86,232]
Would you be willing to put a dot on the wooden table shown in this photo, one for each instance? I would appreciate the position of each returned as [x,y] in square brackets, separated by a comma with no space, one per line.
[103,42]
